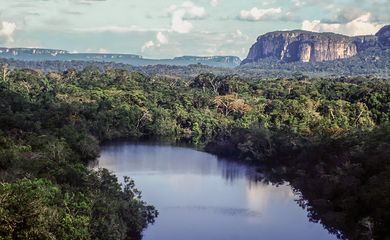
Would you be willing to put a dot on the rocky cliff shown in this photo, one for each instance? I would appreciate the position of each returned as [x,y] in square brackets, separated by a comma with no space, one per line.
[304,46]
[384,36]
[365,42]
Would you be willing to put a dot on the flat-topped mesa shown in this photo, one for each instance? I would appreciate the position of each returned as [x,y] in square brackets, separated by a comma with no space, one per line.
[222,59]
[303,46]
[31,51]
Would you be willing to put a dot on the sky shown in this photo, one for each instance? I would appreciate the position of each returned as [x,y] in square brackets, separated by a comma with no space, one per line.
[170,28]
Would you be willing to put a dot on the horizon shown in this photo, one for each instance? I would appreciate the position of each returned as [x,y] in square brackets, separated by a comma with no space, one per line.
[168,29]
[153,58]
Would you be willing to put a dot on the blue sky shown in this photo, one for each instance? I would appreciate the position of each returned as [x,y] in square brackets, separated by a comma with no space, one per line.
[168,28]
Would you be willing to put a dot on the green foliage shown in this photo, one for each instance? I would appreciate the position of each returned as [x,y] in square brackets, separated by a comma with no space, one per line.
[50,130]
[134,215]
[37,209]
[51,125]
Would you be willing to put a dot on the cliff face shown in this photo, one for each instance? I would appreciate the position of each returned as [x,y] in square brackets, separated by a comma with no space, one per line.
[384,36]
[293,46]
[365,42]
[304,46]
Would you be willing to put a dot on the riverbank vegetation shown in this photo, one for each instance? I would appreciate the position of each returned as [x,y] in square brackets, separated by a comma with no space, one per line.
[47,190]
[328,137]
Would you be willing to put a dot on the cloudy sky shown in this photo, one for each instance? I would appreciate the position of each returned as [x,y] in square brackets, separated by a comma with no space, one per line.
[168,28]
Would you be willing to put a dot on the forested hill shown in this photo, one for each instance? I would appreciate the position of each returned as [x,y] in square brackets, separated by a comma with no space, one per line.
[328,137]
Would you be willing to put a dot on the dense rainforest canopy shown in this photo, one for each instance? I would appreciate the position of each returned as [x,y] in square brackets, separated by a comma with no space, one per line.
[330,138]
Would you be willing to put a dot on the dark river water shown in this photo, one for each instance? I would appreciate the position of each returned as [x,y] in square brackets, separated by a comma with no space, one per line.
[202,197]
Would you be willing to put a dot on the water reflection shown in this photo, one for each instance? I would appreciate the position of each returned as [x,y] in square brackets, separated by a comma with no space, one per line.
[222,211]
[202,197]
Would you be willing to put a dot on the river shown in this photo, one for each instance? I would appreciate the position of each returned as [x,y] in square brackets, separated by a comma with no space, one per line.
[200,196]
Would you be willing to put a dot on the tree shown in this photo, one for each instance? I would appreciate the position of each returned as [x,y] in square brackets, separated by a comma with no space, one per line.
[230,103]
[5,72]
[37,209]
[207,81]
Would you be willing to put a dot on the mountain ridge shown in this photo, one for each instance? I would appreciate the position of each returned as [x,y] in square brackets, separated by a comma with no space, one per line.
[44,54]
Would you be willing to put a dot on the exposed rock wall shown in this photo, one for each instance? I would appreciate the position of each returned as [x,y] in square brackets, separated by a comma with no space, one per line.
[304,46]
[365,42]
[384,36]
[292,46]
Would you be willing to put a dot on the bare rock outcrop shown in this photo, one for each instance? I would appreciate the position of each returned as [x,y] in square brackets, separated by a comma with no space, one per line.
[305,46]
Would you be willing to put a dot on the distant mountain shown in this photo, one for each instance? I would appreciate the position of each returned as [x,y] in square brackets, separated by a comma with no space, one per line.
[229,60]
[37,54]
[54,54]
[305,46]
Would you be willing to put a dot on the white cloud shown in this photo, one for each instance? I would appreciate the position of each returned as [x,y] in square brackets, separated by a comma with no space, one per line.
[189,8]
[7,29]
[348,14]
[161,38]
[181,14]
[147,45]
[194,11]
[238,35]
[256,14]
[298,3]
[215,3]
[359,26]
[103,50]
[118,29]
[178,24]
